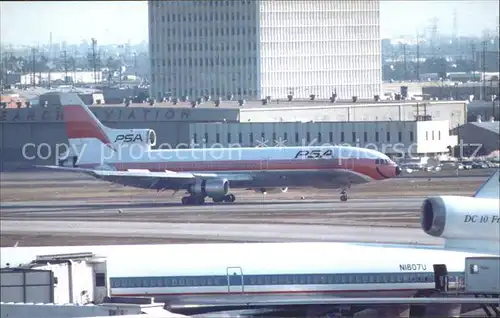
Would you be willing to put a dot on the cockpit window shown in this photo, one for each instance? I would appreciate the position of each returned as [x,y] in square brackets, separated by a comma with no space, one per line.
[382,162]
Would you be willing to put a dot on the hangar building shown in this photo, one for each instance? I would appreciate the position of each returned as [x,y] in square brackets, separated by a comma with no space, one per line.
[398,138]
[265,48]
[480,136]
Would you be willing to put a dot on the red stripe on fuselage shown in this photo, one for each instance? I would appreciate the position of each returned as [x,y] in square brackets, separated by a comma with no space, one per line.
[79,124]
[365,167]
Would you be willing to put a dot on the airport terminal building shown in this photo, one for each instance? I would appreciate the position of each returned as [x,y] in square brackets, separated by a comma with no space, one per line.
[255,49]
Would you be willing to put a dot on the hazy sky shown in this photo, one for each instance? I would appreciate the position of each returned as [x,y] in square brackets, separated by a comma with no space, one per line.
[29,22]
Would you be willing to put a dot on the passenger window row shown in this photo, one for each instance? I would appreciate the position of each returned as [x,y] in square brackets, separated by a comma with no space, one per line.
[255,280]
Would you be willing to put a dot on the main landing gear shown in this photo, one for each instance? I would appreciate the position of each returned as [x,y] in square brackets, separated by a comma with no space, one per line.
[343,195]
[227,198]
[198,200]
[193,200]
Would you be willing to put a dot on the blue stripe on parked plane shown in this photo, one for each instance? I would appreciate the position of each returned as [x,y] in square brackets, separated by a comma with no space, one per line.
[276,279]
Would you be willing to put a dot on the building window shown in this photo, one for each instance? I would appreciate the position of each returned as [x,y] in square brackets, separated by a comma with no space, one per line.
[217,138]
[319,137]
[240,138]
[100,279]
[433,135]
[366,136]
[330,136]
[426,135]
[376,136]
[296,137]
[439,135]
[388,136]
[285,136]
[206,137]
[400,136]
[308,137]
[411,136]
[274,137]
[342,137]
[353,136]
[228,137]
[195,138]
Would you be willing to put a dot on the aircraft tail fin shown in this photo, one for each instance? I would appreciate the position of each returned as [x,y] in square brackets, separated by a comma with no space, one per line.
[491,188]
[87,136]
[90,142]
[80,122]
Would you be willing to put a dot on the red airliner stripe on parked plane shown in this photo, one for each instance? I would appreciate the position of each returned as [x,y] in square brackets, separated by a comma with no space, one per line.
[79,124]
[365,167]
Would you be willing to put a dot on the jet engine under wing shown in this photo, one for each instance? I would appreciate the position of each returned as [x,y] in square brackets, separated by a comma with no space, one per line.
[139,178]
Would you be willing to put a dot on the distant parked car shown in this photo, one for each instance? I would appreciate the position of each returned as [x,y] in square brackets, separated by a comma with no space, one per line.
[467,165]
[479,165]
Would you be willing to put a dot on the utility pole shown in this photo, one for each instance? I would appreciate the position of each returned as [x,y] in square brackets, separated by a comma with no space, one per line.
[65,54]
[404,62]
[135,64]
[418,57]
[120,71]
[483,89]
[455,25]
[473,57]
[73,65]
[50,57]
[434,35]
[33,53]
[65,62]
[94,44]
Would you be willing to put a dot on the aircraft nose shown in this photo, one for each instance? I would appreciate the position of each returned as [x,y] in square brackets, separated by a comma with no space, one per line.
[398,171]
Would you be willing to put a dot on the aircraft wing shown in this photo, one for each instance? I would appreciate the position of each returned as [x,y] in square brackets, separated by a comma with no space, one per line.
[491,188]
[139,178]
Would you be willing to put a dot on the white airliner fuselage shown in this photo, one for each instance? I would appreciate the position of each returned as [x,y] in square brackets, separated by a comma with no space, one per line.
[126,156]
[203,271]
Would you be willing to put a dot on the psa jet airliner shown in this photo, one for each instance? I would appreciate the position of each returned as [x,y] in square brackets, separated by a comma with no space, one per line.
[126,156]
[220,275]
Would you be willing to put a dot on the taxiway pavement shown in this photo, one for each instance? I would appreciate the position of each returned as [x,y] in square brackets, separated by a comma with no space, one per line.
[362,220]
[82,210]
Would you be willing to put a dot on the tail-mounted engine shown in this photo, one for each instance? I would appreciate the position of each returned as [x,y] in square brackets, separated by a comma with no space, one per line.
[456,217]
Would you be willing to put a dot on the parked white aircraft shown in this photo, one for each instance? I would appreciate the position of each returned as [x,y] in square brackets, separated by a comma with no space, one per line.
[126,156]
[213,273]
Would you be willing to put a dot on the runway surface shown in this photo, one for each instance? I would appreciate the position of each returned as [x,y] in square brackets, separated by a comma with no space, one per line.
[360,220]
[80,210]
